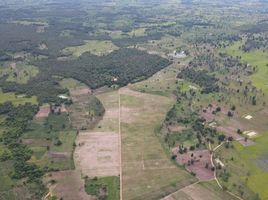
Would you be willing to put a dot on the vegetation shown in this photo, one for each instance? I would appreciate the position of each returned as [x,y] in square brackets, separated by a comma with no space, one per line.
[104,188]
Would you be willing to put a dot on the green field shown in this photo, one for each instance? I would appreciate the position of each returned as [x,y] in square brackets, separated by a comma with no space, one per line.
[20,72]
[16,99]
[111,184]
[254,58]
[96,47]
[247,166]
[70,83]
[51,141]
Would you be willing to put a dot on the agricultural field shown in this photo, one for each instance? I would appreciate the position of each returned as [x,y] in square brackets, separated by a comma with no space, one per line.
[258,58]
[149,167]
[91,46]
[17,99]
[133,100]
[19,72]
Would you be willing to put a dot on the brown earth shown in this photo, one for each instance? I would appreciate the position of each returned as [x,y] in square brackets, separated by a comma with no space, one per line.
[200,158]
[97,154]
[43,112]
[69,185]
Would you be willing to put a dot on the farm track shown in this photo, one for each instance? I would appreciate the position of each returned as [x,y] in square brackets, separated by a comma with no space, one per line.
[120,145]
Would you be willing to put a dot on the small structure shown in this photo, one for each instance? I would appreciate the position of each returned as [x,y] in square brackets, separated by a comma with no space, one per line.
[192,87]
[213,124]
[175,54]
[63,96]
[248,117]
[250,133]
[219,162]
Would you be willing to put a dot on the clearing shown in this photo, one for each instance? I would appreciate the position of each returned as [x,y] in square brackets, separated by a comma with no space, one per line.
[95,47]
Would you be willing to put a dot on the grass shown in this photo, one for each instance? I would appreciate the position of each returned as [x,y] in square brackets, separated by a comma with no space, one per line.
[163,82]
[6,181]
[70,83]
[139,32]
[95,47]
[207,190]
[245,174]
[110,103]
[93,187]
[258,179]
[20,72]
[254,58]
[147,171]
[17,99]
[44,135]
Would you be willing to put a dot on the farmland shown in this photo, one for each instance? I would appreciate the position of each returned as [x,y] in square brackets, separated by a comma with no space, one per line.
[133,100]
[94,47]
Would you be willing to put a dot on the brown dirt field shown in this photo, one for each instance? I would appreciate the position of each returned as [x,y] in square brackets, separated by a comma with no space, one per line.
[198,167]
[69,185]
[97,154]
[43,112]
[80,91]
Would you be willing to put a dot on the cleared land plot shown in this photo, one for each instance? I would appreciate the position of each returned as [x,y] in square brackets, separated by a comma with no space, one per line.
[19,72]
[201,191]
[147,171]
[43,112]
[110,119]
[69,185]
[97,154]
[86,110]
[95,47]
[196,161]
[16,99]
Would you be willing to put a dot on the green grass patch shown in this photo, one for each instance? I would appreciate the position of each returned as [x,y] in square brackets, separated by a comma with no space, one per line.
[70,83]
[108,184]
[95,47]
[19,72]
[17,99]
[254,58]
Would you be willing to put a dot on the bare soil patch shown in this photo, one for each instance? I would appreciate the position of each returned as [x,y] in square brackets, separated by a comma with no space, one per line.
[80,91]
[43,112]
[97,154]
[196,161]
[69,185]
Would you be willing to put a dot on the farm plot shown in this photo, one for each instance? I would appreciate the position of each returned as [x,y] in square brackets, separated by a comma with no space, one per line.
[16,99]
[86,110]
[92,46]
[200,191]
[197,162]
[147,173]
[68,185]
[110,119]
[18,72]
[97,154]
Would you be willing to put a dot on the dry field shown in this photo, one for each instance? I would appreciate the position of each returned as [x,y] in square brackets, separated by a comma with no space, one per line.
[97,154]
[200,159]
